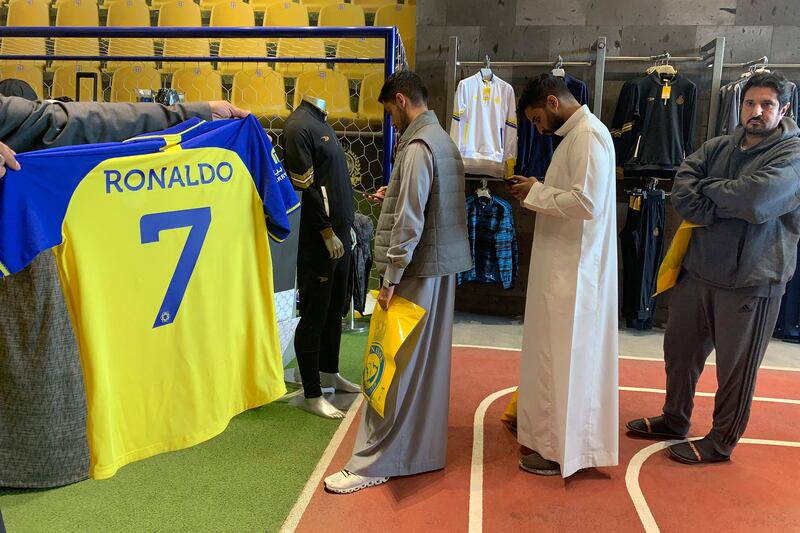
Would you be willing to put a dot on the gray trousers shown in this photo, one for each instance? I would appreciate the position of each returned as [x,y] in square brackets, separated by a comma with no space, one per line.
[735,323]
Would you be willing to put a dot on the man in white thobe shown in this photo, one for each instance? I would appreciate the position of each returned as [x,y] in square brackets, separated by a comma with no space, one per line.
[568,398]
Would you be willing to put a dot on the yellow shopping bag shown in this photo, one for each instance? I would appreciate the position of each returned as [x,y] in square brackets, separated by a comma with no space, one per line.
[388,331]
[671,265]
[510,414]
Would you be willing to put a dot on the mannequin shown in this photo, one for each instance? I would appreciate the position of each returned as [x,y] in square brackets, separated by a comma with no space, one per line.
[317,166]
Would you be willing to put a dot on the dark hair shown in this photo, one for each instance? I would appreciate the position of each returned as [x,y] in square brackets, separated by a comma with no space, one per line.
[773,80]
[15,87]
[539,88]
[407,83]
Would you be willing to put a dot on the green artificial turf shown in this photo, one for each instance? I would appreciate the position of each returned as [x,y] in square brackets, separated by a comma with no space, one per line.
[246,479]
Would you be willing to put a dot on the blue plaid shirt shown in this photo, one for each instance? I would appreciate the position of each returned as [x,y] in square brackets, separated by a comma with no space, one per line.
[493,240]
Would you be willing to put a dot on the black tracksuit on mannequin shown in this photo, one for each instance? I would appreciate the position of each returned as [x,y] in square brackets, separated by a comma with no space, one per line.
[317,165]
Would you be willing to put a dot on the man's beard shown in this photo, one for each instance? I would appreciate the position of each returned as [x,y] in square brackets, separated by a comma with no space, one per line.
[555,124]
[759,128]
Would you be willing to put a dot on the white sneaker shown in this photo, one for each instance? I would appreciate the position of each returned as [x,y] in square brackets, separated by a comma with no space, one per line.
[345,482]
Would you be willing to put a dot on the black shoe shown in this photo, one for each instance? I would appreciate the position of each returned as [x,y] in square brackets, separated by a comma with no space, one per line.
[536,464]
[696,452]
[653,428]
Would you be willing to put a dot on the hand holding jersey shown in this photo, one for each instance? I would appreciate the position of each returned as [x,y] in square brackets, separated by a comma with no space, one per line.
[221,109]
[7,159]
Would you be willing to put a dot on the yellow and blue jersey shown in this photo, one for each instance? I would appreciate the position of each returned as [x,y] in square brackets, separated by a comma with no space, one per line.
[161,245]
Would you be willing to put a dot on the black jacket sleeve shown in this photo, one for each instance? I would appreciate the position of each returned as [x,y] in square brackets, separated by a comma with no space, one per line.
[299,159]
[623,126]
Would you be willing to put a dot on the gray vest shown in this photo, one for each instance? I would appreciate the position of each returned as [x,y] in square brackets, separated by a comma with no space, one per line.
[444,246]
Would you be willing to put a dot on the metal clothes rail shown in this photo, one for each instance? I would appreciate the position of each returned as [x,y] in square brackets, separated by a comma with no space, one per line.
[711,53]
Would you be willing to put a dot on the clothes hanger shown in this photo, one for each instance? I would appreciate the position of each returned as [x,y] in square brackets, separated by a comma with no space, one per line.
[483,191]
[558,68]
[486,71]
[664,69]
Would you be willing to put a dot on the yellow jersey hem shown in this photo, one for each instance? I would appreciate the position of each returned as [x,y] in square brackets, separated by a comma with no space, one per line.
[109,470]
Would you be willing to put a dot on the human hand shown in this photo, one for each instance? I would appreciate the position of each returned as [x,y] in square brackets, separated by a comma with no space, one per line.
[7,159]
[379,195]
[333,244]
[385,297]
[520,186]
[222,109]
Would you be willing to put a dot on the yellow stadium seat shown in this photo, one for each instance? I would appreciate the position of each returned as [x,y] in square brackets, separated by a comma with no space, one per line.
[287,14]
[263,5]
[182,13]
[198,84]
[237,13]
[331,87]
[208,5]
[26,72]
[341,15]
[261,92]
[65,83]
[27,13]
[128,13]
[315,5]
[299,48]
[370,6]
[230,47]
[177,47]
[77,13]
[405,18]
[126,80]
[232,13]
[361,48]
[369,110]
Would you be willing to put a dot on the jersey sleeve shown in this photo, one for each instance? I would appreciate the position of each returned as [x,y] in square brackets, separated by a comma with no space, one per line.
[458,123]
[247,138]
[33,204]
[271,181]
[510,132]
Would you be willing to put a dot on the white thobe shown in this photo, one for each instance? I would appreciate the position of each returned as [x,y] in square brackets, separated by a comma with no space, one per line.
[568,397]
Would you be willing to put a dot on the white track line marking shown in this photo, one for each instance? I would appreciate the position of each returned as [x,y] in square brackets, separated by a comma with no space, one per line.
[292,521]
[631,476]
[711,395]
[476,474]
[628,357]
[635,467]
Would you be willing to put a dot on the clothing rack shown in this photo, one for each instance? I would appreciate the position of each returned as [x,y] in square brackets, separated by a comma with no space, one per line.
[762,61]
[712,53]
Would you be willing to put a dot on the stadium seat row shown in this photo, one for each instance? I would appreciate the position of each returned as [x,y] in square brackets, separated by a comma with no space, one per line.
[183,13]
[261,91]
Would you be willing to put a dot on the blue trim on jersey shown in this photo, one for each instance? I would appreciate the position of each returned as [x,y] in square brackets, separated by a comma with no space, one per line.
[247,138]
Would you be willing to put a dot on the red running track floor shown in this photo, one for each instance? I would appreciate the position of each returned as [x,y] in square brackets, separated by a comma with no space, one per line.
[756,491]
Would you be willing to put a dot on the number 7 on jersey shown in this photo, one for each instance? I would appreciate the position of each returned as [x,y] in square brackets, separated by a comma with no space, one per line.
[150,227]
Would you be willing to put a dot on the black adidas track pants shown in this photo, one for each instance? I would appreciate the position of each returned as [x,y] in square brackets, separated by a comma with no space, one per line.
[735,323]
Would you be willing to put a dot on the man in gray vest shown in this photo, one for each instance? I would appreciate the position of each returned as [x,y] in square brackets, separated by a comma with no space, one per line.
[421,243]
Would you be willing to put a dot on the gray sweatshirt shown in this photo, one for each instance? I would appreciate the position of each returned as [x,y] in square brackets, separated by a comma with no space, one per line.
[747,201]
